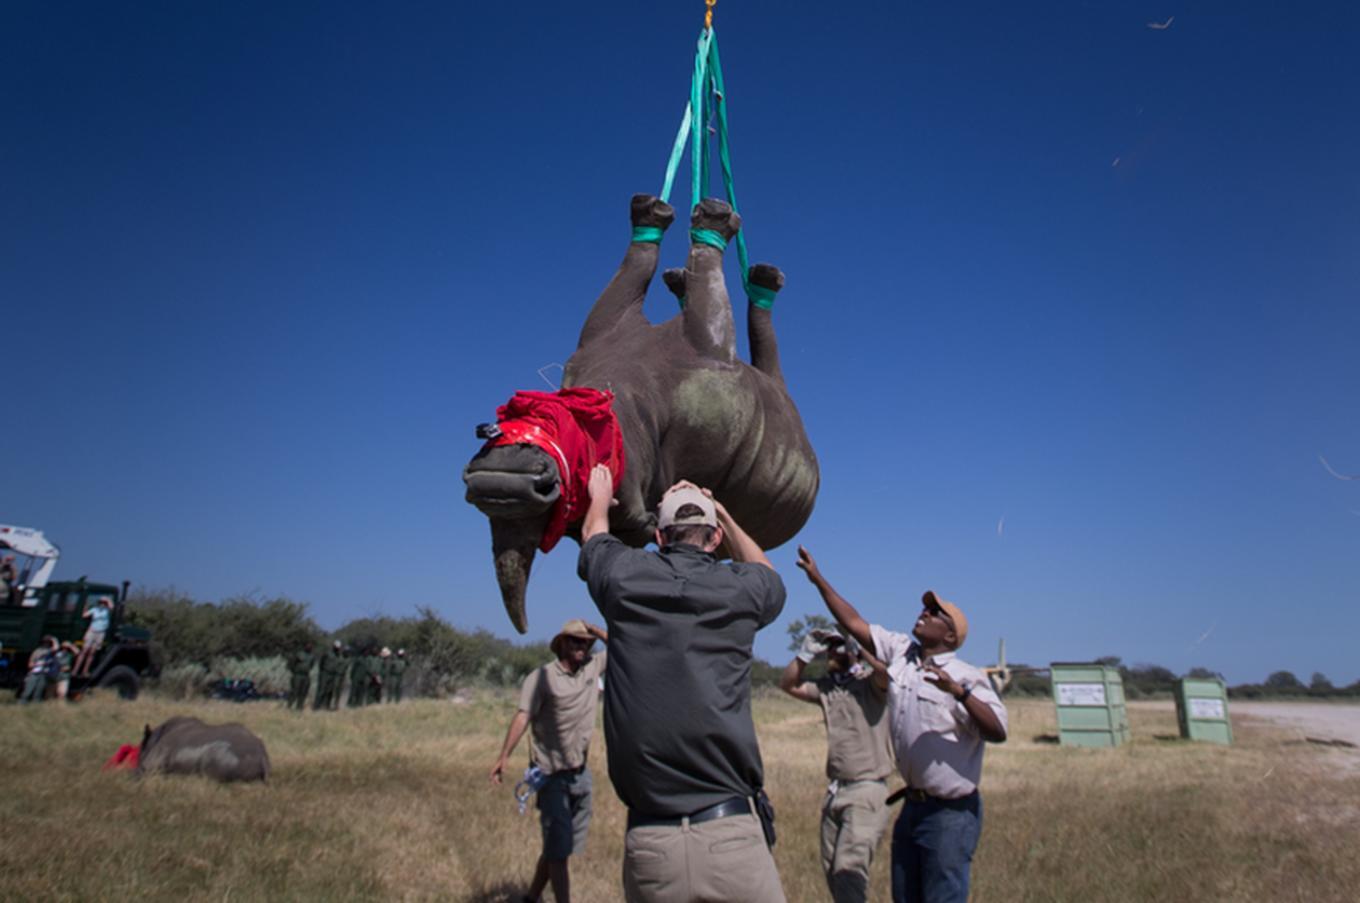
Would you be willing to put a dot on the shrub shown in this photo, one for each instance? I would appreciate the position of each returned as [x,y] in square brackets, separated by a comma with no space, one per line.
[185,681]
[269,674]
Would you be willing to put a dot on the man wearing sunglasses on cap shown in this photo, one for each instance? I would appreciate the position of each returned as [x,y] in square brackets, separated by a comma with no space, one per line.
[942,712]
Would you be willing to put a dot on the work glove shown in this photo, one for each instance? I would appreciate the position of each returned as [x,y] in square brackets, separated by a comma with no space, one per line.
[814,645]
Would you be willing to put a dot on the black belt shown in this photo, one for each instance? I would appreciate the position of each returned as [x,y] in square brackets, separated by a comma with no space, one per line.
[737,805]
[913,794]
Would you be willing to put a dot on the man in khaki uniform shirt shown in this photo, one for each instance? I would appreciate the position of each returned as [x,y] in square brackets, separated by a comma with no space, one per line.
[558,701]
[854,701]
[944,711]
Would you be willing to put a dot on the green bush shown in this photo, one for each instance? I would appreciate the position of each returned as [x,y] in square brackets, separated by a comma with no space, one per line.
[184,681]
[269,674]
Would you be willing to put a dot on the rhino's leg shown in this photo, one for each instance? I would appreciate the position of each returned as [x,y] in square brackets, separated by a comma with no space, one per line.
[675,281]
[708,311]
[759,316]
[760,321]
[624,294]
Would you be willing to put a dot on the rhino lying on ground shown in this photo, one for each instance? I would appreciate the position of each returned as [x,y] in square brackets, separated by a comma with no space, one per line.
[183,745]
[687,407]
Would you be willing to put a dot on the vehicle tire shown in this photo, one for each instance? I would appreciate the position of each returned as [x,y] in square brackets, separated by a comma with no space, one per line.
[123,679]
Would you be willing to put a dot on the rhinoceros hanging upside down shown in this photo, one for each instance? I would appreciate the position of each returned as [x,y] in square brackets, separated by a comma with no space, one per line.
[686,407]
[224,752]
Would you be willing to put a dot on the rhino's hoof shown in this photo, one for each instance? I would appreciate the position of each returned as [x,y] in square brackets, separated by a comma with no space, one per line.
[767,275]
[647,210]
[675,281]
[717,215]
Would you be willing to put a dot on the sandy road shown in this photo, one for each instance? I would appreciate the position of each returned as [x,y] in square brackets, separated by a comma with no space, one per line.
[1320,720]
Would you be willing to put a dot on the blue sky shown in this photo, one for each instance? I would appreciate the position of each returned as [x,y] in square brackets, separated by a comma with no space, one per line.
[263,267]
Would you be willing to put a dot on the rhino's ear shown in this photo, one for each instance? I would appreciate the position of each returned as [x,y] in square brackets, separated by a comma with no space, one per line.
[146,733]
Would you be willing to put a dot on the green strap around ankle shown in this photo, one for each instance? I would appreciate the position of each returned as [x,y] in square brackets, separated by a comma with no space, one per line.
[760,296]
[648,234]
[709,237]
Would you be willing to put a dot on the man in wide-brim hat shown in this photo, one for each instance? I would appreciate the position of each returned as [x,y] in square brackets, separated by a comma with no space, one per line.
[558,701]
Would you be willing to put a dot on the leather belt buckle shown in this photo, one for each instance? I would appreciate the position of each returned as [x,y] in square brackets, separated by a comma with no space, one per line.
[737,805]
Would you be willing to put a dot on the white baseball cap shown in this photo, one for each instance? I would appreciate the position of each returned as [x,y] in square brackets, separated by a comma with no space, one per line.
[669,512]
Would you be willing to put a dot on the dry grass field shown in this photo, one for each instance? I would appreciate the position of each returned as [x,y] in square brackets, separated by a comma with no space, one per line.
[393,803]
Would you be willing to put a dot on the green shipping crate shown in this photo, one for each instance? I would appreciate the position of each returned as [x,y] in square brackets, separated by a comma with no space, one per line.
[1090,701]
[1202,710]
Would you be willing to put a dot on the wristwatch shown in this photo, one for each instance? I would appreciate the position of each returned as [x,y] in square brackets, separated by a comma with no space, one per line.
[967,691]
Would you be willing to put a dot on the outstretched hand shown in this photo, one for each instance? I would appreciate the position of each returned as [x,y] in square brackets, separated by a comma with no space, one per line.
[808,564]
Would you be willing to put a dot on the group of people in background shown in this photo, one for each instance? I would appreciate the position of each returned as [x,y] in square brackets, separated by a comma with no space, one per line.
[49,666]
[52,664]
[682,750]
[375,675]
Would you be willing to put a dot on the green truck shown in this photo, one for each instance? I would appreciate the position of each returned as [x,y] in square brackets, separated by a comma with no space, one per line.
[57,609]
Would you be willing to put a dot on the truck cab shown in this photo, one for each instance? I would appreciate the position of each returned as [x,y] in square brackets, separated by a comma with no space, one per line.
[120,664]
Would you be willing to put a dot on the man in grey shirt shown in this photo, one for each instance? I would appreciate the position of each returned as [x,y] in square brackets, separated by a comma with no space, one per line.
[677,710]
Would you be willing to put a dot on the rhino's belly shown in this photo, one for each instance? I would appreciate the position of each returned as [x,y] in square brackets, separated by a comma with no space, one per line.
[738,433]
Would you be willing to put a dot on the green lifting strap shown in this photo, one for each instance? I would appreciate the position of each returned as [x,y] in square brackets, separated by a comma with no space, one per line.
[648,234]
[725,156]
[760,296]
[708,237]
[708,100]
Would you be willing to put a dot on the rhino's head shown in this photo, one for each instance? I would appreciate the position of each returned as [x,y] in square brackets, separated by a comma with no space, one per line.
[516,486]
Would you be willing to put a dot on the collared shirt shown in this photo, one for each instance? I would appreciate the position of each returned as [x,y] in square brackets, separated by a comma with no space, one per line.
[561,709]
[677,698]
[858,743]
[939,749]
[99,619]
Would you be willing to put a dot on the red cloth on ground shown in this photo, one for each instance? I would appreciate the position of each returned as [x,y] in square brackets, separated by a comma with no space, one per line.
[126,757]
[577,427]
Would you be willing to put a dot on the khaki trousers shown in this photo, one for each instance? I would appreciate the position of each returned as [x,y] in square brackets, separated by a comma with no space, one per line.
[720,861]
[853,822]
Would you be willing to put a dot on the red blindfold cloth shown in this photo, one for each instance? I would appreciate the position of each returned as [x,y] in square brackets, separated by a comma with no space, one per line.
[578,429]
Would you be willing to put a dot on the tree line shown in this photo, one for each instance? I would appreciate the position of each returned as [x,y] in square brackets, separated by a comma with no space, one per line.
[211,639]
[197,641]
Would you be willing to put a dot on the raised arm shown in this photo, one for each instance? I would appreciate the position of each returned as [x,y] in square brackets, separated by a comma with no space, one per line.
[791,681]
[879,678]
[739,543]
[598,632]
[844,613]
[601,489]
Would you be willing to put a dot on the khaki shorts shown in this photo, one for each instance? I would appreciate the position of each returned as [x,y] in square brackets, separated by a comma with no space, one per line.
[93,639]
[721,860]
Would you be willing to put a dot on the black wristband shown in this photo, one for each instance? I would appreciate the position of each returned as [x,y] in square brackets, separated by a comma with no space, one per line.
[967,691]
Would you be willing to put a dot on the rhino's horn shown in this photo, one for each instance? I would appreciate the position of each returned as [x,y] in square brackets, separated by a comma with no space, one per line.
[513,542]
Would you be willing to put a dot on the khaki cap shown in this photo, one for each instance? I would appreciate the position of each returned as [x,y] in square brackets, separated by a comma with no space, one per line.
[952,612]
[573,628]
[674,501]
